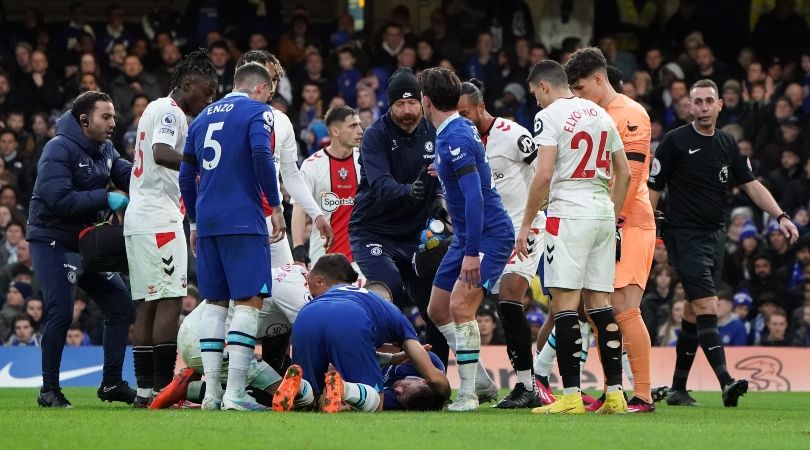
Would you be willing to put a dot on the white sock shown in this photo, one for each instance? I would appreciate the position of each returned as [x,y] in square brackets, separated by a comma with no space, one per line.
[212,344]
[571,390]
[586,332]
[241,342]
[525,377]
[305,397]
[264,376]
[361,397]
[449,332]
[482,378]
[144,392]
[544,359]
[193,390]
[614,388]
[628,372]
[468,348]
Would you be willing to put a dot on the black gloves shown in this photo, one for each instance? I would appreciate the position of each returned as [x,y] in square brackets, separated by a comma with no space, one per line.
[417,192]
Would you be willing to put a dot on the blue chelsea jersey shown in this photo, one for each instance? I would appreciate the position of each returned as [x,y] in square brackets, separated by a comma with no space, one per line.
[231,143]
[460,154]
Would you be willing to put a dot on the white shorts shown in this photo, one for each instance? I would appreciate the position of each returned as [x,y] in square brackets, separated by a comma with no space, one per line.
[259,374]
[158,265]
[278,312]
[580,254]
[528,267]
[280,252]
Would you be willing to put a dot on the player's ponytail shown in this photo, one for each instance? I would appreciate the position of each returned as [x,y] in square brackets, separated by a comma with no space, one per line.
[474,89]
[477,83]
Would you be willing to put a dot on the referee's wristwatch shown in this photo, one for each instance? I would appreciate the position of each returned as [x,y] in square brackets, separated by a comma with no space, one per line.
[784,215]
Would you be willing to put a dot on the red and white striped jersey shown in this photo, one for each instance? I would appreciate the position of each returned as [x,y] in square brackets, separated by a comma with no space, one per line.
[333,184]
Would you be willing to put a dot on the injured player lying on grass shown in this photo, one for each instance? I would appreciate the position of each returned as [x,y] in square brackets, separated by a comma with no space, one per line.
[402,386]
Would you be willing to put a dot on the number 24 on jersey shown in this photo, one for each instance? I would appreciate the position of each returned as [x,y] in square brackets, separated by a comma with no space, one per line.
[583,141]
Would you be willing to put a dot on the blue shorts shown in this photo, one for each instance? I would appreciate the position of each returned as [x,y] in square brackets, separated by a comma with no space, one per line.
[233,267]
[339,333]
[496,251]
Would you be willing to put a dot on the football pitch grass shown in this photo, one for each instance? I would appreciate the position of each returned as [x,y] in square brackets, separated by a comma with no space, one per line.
[763,420]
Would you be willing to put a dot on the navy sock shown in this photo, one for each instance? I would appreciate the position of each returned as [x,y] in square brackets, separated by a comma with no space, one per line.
[685,350]
[712,345]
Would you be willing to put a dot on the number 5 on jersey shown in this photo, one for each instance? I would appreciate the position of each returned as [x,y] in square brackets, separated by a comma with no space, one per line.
[212,143]
[137,166]
[586,169]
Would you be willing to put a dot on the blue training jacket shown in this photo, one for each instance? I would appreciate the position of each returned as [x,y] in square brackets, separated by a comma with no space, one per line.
[71,186]
[390,160]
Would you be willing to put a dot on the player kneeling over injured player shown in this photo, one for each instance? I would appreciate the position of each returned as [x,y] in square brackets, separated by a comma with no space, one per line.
[344,326]
[276,318]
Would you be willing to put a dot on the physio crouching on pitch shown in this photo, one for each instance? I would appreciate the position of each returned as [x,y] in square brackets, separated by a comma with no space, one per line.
[71,193]
[395,198]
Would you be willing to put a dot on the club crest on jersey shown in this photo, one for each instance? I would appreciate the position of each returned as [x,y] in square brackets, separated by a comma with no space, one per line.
[723,175]
[429,147]
[343,173]
[375,249]
[184,281]
[167,120]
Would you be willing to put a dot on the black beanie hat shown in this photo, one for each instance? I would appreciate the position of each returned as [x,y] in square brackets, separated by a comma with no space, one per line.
[403,84]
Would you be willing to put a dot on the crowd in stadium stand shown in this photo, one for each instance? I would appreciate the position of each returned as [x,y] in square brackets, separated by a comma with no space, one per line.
[763,73]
